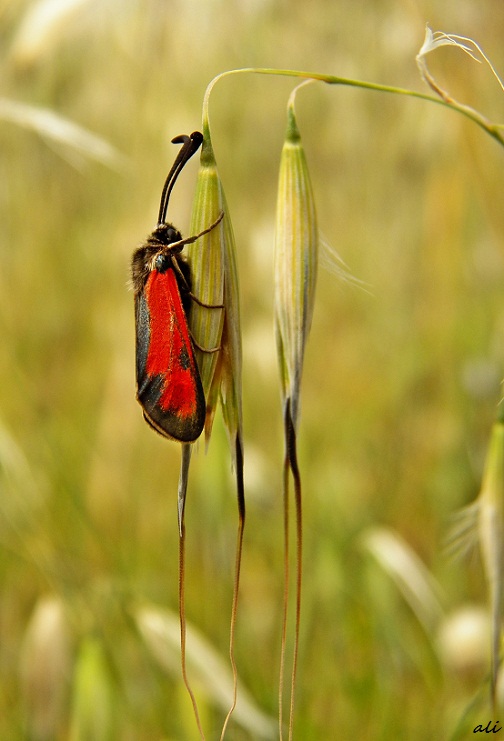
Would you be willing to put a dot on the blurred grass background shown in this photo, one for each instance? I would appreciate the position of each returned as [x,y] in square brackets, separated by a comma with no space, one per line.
[400,387]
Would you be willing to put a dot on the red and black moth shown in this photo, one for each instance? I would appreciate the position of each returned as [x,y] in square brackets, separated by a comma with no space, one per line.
[169,387]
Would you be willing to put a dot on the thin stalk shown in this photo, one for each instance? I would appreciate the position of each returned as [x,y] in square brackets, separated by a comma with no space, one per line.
[291,455]
[494,130]
[285,607]
[184,468]
[291,467]
[240,489]
[182,485]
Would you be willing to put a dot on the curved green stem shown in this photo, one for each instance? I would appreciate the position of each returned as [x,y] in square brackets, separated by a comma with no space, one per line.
[494,130]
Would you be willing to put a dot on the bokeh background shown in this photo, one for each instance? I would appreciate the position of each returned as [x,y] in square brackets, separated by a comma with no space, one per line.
[400,389]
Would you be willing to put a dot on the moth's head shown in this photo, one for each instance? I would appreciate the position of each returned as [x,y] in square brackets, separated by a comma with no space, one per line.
[164,235]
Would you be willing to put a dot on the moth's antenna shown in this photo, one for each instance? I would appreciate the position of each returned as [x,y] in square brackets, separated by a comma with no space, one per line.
[191,144]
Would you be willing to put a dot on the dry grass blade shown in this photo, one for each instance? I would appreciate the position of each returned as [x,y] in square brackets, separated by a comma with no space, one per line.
[160,631]
[45,668]
[405,568]
[43,25]
[62,132]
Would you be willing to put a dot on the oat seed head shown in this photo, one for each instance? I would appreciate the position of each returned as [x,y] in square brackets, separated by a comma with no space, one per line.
[295,263]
